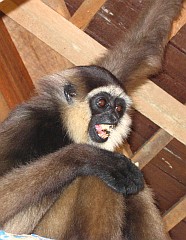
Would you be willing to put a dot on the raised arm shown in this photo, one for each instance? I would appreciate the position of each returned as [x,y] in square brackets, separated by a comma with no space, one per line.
[139,53]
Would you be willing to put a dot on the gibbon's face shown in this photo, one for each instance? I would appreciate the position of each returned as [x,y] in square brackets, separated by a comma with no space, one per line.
[110,121]
[96,109]
[106,111]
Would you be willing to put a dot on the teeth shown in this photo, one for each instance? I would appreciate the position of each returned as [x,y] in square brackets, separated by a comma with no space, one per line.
[107,127]
[103,130]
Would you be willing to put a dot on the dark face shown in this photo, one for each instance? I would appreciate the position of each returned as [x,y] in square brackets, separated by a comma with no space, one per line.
[106,114]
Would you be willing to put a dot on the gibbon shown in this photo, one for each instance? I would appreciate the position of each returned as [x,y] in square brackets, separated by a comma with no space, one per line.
[60,175]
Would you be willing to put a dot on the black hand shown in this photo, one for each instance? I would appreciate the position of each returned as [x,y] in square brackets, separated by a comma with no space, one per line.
[117,171]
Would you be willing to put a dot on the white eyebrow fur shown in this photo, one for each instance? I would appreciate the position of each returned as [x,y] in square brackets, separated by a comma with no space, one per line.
[114,91]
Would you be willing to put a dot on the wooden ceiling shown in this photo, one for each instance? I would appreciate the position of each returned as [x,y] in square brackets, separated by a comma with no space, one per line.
[35,41]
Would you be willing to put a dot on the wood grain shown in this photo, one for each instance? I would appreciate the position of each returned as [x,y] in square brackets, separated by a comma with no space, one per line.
[151,148]
[178,24]
[175,214]
[38,57]
[86,12]
[15,82]
[4,109]
[59,6]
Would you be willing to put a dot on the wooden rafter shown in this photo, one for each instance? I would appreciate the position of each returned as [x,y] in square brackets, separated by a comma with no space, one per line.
[151,148]
[4,108]
[59,6]
[39,58]
[86,12]
[15,82]
[175,214]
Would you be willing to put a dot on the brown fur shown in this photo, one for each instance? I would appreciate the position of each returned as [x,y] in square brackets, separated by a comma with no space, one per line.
[139,53]
[105,207]
[88,209]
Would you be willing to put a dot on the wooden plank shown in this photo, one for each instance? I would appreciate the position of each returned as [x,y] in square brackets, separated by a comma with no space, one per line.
[177,25]
[39,58]
[163,110]
[59,6]
[167,190]
[4,108]
[151,148]
[82,50]
[15,82]
[172,164]
[178,232]
[62,35]
[86,12]
[175,214]
[180,40]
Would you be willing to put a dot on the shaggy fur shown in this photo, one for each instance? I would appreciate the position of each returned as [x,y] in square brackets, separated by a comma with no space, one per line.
[54,181]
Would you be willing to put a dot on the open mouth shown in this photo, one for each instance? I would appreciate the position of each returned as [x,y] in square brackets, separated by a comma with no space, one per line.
[104,130]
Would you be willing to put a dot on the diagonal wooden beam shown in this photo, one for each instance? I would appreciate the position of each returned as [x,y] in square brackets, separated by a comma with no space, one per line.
[54,30]
[59,6]
[175,214]
[4,108]
[151,148]
[15,82]
[39,59]
[177,25]
[86,12]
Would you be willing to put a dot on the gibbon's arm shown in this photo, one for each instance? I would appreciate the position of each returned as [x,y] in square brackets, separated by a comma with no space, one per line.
[139,53]
[28,184]
[33,129]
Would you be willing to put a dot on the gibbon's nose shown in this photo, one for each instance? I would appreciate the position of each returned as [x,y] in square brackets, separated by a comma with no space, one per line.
[114,118]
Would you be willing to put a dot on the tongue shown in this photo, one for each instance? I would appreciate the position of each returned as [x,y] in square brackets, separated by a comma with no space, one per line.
[101,132]
[99,129]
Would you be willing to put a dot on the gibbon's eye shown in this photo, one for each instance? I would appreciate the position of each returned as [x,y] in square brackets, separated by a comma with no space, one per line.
[101,102]
[70,92]
[119,108]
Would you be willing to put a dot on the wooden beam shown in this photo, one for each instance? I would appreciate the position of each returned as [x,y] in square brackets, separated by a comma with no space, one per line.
[151,148]
[4,108]
[15,82]
[38,58]
[59,6]
[81,49]
[54,30]
[175,214]
[86,12]
[177,25]
[162,109]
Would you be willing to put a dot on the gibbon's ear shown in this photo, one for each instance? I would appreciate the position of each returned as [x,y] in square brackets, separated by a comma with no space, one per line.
[58,87]
[70,92]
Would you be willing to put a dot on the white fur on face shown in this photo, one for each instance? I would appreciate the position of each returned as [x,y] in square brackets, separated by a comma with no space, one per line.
[117,135]
[114,91]
[78,116]
[122,130]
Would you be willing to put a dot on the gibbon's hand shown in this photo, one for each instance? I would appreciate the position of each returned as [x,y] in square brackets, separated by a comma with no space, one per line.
[117,171]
